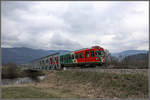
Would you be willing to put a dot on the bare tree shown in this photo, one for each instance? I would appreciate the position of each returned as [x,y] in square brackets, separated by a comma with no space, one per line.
[108,58]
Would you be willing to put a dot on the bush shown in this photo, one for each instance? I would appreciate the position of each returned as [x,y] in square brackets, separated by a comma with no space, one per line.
[33,74]
[10,71]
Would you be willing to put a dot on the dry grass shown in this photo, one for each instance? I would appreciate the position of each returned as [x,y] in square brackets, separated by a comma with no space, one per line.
[79,84]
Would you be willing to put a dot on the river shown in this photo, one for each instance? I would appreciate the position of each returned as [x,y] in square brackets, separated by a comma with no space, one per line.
[23,80]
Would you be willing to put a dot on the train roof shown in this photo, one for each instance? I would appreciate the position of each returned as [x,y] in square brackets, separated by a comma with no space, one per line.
[44,57]
[93,47]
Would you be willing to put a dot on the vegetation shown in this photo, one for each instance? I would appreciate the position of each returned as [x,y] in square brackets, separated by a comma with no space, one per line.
[11,71]
[109,84]
[139,61]
[33,74]
[80,84]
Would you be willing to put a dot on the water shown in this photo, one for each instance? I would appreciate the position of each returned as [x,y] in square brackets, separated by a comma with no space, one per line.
[20,80]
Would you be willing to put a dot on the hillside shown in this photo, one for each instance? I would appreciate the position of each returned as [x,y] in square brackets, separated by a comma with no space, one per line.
[137,57]
[24,55]
[129,53]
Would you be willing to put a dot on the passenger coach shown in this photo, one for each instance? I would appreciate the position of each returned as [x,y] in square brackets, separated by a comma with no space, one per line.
[87,57]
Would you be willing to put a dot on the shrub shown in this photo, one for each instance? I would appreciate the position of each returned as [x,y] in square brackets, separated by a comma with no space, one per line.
[10,71]
[33,74]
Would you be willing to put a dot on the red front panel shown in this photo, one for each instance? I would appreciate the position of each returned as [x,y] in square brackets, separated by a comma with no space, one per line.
[88,55]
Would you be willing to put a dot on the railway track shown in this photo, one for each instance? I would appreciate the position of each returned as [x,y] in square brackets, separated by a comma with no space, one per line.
[119,71]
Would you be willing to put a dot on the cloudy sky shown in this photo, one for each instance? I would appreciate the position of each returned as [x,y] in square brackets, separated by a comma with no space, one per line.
[115,26]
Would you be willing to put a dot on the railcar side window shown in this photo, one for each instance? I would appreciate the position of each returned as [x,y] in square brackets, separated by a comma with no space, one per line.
[60,58]
[81,55]
[76,56]
[63,58]
[43,61]
[56,59]
[92,53]
[69,57]
[66,57]
[86,54]
[72,56]
[46,60]
[51,60]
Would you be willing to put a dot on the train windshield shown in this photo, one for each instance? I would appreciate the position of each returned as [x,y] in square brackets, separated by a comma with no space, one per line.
[99,53]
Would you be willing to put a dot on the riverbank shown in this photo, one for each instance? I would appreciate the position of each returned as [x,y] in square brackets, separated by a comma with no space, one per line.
[23,80]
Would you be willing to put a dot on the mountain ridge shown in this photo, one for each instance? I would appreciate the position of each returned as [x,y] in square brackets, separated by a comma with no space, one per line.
[22,55]
[129,52]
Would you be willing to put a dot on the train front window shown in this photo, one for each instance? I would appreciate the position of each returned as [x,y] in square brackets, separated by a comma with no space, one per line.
[102,53]
[99,53]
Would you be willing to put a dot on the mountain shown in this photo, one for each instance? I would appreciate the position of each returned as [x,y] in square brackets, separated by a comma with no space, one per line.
[129,53]
[23,55]
[136,61]
[137,57]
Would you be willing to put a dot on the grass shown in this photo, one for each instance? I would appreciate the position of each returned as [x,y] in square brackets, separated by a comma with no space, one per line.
[24,92]
[79,84]
[122,86]
[35,92]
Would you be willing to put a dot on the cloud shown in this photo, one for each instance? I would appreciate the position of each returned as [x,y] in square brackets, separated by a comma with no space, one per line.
[59,41]
[115,26]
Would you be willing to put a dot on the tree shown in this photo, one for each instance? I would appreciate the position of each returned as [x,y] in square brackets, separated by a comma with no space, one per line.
[10,70]
[108,58]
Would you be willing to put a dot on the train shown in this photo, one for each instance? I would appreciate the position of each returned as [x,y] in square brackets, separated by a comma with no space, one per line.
[86,57]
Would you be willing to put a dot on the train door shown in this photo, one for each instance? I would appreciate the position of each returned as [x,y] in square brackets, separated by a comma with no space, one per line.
[87,55]
[81,57]
[92,55]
